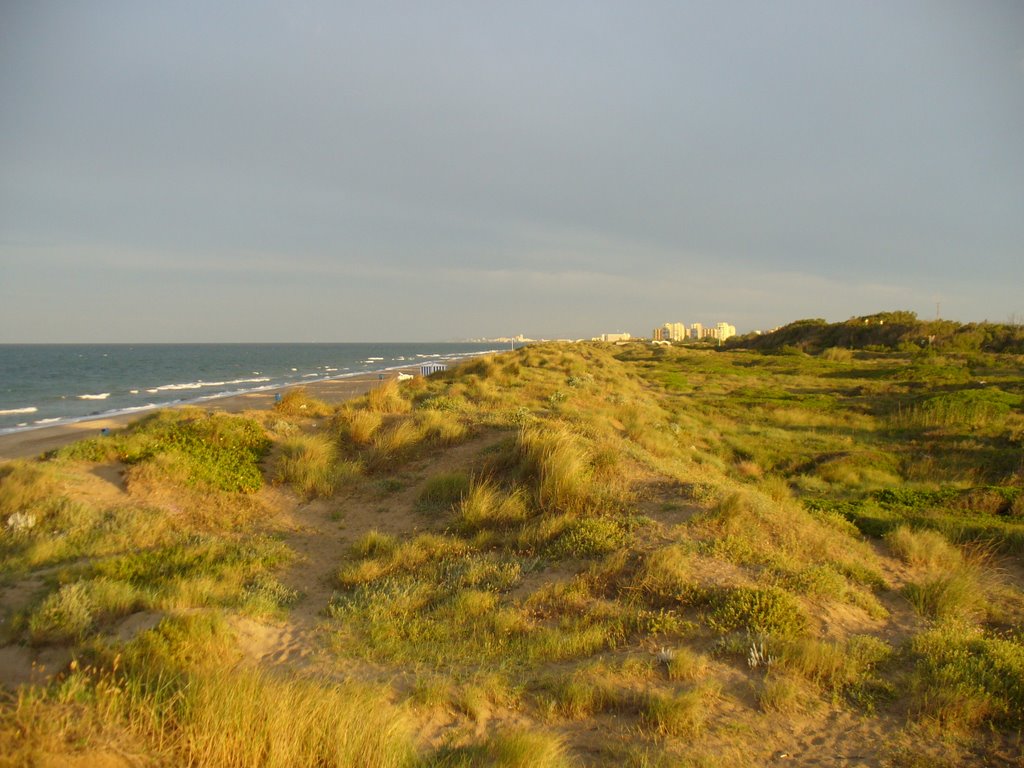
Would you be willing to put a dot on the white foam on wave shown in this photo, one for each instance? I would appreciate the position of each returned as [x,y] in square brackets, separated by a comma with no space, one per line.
[201,384]
[47,421]
[9,411]
[101,396]
[307,375]
[133,391]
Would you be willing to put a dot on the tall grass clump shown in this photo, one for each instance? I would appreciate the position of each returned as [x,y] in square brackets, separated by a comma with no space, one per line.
[173,698]
[387,398]
[948,595]
[296,401]
[441,427]
[665,576]
[515,749]
[924,549]
[391,443]
[749,527]
[784,693]
[683,713]
[486,505]
[243,717]
[555,459]
[67,614]
[25,487]
[357,426]
[836,667]
[444,490]
[309,464]
[837,355]
[974,408]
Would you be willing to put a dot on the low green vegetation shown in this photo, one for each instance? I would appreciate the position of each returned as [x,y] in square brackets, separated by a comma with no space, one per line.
[566,555]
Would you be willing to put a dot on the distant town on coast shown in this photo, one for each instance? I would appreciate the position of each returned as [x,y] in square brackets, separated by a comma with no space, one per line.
[666,333]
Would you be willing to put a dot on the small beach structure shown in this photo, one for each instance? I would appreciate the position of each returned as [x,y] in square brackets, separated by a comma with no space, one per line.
[428,368]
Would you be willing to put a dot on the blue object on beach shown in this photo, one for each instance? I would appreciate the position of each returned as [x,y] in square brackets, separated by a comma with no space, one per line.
[277,397]
[105,431]
[380,377]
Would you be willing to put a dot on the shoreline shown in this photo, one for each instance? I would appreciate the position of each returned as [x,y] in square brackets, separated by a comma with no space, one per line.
[30,443]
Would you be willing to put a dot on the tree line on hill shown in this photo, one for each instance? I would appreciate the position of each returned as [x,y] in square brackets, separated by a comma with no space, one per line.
[886,331]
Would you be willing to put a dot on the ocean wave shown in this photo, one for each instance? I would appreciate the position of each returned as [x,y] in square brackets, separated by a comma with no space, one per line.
[47,421]
[101,396]
[307,375]
[201,384]
[9,411]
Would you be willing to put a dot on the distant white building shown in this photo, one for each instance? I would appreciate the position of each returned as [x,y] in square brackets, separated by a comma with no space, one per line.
[613,337]
[724,331]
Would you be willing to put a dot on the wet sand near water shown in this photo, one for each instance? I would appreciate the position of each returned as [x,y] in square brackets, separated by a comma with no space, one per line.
[20,445]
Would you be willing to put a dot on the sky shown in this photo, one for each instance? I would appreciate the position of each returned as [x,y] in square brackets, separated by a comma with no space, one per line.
[425,171]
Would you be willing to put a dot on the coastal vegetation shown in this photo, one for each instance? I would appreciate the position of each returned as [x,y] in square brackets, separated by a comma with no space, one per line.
[578,554]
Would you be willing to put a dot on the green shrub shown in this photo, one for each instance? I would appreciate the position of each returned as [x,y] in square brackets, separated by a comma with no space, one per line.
[968,407]
[759,610]
[589,537]
[217,451]
[964,677]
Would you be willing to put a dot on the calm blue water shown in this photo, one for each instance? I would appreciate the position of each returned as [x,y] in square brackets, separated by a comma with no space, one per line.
[44,384]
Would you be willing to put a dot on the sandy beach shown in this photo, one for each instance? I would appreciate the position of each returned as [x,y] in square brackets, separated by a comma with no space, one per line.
[33,442]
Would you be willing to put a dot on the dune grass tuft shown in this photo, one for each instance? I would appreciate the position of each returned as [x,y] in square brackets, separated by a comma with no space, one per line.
[555,458]
[357,426]
[515,749]
[485,505]
[387,398]
[309,464]
[443,491]
[296,401]
[683,714]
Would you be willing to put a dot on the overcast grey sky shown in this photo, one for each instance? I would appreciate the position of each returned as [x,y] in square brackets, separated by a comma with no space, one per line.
[334,171]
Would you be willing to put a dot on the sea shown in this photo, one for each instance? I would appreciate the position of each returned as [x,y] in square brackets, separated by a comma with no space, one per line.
[46,384]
